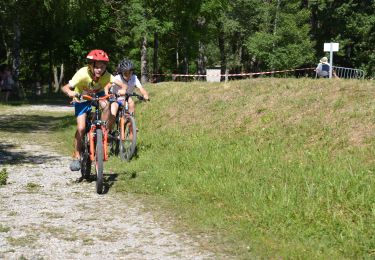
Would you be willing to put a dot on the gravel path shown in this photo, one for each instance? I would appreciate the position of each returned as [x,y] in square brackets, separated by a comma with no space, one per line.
[46,214]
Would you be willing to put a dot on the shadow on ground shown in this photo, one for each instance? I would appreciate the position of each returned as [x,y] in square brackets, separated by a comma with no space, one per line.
[8,155]
[26,124]
[108,182]
[46,99]
[19,123]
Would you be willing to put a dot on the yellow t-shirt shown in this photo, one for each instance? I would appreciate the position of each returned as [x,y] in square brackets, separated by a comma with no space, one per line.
[83,83]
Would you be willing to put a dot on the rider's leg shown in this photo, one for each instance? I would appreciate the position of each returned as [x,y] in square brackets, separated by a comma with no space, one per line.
[80,112]
[104,104]
[75,165]
[131,104]
[113,113]
[81,127]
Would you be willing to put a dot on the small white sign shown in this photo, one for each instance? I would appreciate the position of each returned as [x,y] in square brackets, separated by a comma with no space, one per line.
[335,46]
[213,75]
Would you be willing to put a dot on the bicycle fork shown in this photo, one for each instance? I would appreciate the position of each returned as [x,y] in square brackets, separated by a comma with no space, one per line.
[92,138]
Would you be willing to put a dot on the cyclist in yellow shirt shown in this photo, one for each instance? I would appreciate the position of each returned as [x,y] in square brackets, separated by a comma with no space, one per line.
[92,79]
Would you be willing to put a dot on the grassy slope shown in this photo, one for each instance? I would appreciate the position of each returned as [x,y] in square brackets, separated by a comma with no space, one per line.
[281,167]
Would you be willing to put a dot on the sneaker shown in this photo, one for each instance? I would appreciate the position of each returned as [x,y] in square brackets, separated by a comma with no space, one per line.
[75,165]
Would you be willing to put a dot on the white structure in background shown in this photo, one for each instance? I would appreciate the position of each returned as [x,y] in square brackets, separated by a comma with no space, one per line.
[213,75]
[331,47]
[348,73]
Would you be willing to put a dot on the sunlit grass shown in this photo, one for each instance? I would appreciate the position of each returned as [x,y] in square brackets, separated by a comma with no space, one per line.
[285,165]
[3,176]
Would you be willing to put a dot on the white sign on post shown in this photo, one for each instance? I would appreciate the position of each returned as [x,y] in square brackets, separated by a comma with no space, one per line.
[331,47]
[335,46]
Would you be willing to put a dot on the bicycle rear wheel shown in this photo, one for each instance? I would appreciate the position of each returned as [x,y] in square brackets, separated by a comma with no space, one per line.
[85,158]
[128,138]
[99,157]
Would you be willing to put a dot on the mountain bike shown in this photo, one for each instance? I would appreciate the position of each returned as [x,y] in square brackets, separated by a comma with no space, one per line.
[124,136]
[94,143]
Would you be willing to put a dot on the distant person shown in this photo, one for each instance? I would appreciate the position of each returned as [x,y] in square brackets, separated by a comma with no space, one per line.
[7,83]
[322,70]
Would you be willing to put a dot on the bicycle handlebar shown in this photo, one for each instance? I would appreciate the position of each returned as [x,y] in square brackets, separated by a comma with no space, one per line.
[89,98]
[142,98]
[130,95]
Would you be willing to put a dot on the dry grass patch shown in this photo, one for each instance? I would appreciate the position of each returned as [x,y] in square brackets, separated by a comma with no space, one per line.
[28,240]
[52,215]
[33,187]
[4,229]
[12,213]
[87,241]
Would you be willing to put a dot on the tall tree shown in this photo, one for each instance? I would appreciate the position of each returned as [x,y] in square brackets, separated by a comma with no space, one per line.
[283,39]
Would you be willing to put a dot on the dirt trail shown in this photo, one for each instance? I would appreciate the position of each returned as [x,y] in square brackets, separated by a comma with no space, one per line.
[45,213]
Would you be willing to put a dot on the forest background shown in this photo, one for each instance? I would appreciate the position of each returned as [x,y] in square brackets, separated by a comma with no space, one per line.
[47,41]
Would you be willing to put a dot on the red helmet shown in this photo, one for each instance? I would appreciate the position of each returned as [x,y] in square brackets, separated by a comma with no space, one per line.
[98,55]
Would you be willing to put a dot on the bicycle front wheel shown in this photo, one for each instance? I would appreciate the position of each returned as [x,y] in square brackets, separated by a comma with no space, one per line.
[85,158]
[99,158]
[128,138]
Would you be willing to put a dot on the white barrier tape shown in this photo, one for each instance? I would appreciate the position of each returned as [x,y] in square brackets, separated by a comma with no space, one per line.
[229,75]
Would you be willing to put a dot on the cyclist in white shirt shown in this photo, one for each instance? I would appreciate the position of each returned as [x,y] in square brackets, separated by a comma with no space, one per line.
[125,74]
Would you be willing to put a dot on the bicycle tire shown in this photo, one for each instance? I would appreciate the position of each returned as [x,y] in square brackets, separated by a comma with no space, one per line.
[85,158]
[99,158]
[128,138]
[116,140]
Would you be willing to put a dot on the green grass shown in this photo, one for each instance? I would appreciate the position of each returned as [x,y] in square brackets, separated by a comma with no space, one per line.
[4,228]
[271,168]
[3,176]
[33,187]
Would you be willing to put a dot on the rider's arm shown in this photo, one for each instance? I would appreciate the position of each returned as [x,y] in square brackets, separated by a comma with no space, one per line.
[72,88]
[106,88]
[69,90]
[122,85]
[143,92]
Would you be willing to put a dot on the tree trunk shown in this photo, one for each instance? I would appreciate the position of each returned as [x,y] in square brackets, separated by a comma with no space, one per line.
[17,55]
[186,67]
[186,58]
[240,57]
[50,70]
[223,58]
[5,43]
[144,77]
[201,61]
[57,80]
[61,74]
[275,31]
[177,62]
[155,69]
